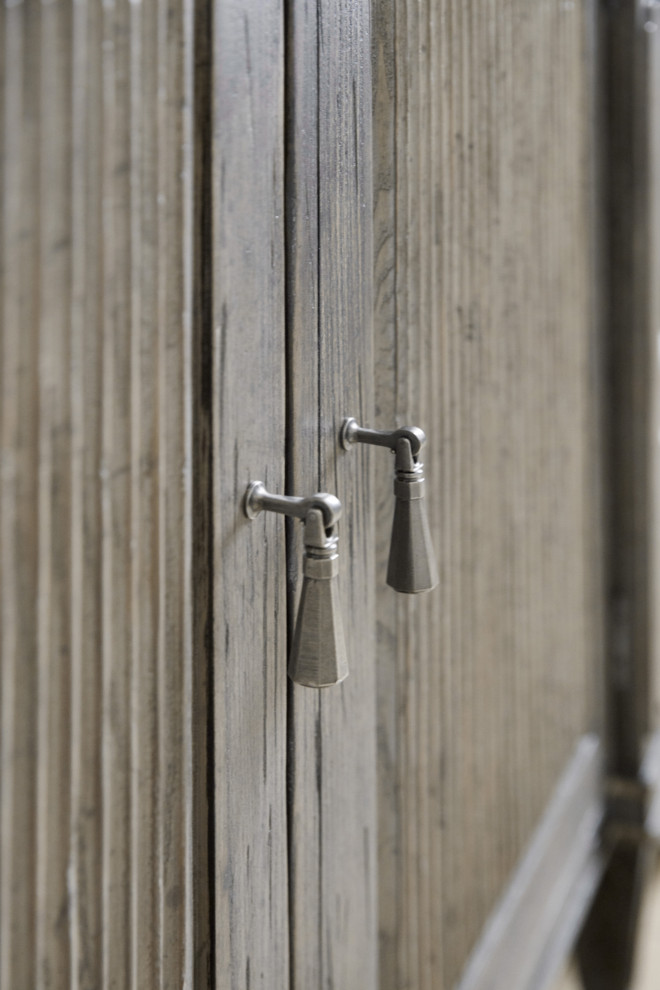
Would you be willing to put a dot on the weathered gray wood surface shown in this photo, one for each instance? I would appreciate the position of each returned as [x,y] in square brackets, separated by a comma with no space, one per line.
[147,376]
[332,772]
[484,337]
[18,504]
[97,499]
[249,438]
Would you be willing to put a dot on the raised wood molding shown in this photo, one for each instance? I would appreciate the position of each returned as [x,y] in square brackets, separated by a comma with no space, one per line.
[535,922]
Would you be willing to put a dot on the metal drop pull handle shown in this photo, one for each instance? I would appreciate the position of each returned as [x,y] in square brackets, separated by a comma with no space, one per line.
[411,567]
[318,655]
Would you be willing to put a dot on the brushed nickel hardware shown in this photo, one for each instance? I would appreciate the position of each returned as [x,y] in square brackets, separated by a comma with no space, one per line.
[411,567]
[318,655]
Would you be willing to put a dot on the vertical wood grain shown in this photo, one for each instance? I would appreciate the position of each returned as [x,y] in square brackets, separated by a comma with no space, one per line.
[53,957]
[332,732]
[115,413]
[18,497]
[86,691]
[251,943]
[174,219]
[484,322]
[101,808]
[144,444]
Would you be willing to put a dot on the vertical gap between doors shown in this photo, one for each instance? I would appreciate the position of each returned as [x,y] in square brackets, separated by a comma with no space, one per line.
[203,445]
[288,449]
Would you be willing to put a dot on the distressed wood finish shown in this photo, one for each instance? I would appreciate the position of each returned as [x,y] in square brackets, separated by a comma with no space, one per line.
[484,337]
[249,433]
[332,772]
[97,449]
[18,499]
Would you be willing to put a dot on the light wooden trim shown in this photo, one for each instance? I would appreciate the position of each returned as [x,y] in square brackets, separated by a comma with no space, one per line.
[650,774]
[534,924]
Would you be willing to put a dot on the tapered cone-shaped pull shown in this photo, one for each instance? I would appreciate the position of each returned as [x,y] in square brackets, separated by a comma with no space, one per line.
[411,568]
[318,656]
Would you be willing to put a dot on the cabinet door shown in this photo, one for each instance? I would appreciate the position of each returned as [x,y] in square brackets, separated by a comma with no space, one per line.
[242,86]
[102,716]
[488,335]
[294,883]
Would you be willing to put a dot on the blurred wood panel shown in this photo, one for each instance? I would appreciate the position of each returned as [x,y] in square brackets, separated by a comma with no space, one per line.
[629,49]
[484,336]
[632,360]
[97,518]
[332,771]
[18,498]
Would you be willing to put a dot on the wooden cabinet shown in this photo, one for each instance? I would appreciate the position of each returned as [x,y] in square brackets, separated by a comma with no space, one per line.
[225,228]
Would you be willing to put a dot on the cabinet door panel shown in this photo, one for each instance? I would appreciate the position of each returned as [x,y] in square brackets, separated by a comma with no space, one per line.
[249,596]
[98,418]
[484,335]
